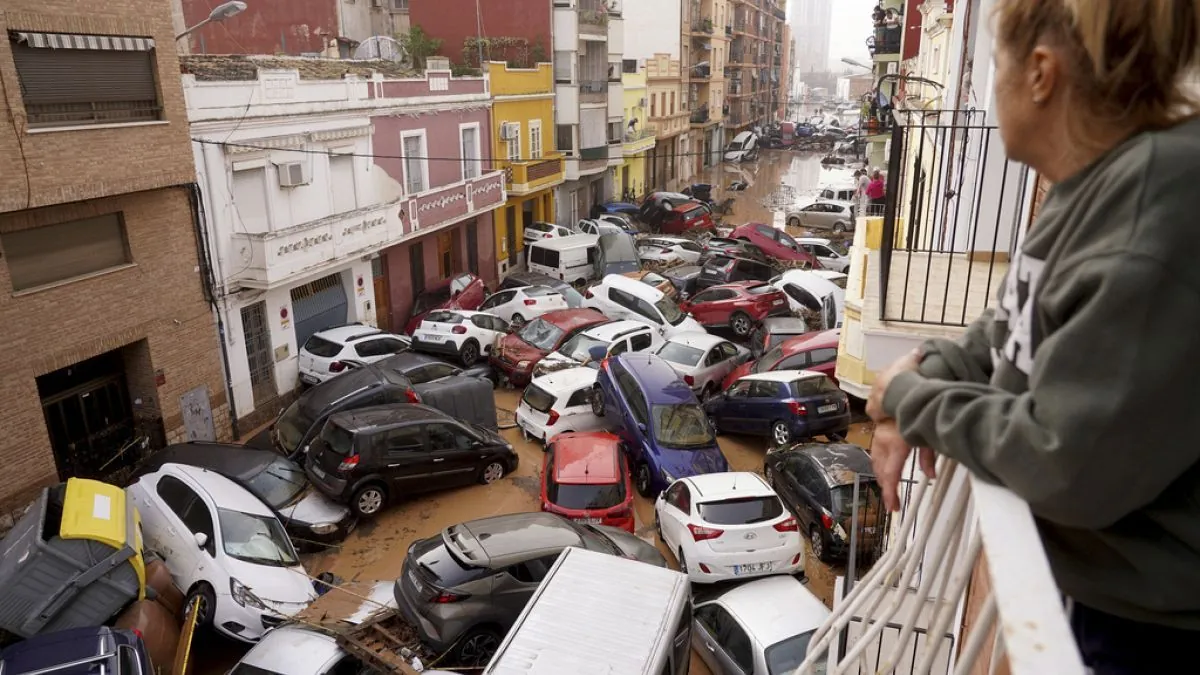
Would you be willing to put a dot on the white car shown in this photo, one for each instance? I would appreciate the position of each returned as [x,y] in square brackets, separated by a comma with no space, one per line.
[669,250]
[223,546]
[807,290]
[521,304]
[463,334]
[539,230]
[729,525]
[761,627]
[832,255]
[557,403]
[702,360]
[619,297]
[324,355]
[588,226]
[619,219]
[614,337]
[839,279]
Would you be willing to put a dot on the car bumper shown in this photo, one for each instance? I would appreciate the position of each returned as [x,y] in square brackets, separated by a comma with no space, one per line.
[426,629]
[515,376]
[244,624]
[804,428]
[447,348]
[311,378]
[530,428]
[333,487]
[304,538]
[710,567]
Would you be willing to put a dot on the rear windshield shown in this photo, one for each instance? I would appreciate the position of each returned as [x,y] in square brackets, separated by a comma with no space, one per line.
[681,354]
[430,299]
[537,398]
[540,227]
[692,214]
[869,497]
[321,347]
[761,290]
[541,334]
[444,317]
[742,511]
[339,441]
[576,496]
[814,386]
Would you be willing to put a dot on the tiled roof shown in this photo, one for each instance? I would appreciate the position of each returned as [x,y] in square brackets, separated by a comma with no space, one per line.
[224,68]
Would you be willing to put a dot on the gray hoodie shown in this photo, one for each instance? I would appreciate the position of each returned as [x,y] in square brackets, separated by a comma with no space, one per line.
[1076,391]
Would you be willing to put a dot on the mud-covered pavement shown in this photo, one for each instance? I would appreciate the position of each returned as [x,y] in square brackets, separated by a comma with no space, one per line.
[775,180]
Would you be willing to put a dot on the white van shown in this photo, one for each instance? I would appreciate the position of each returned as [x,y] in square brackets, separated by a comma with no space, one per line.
[809,290]
[643,614]
[571,259]
[743,147]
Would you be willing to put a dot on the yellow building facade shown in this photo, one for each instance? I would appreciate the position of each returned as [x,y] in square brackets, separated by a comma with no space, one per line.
[523,147]
[638,140]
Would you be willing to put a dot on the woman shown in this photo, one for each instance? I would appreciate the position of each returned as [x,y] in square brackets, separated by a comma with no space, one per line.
[875,194]
[1065,391]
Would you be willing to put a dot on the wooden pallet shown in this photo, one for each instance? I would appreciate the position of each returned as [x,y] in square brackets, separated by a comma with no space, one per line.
[379,640]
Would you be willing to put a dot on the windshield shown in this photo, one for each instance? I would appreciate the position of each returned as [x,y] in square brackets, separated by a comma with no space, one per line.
[430,299]
[670,311]
[540,334]
[291,427]
[786,656]
[578,347]
[681,354]
[255,539]
[537,398]
[279,483]
[764,363]
[682,426]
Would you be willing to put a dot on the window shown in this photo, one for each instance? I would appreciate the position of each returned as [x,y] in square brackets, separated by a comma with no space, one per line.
[501,298]
[680,497]
[416,166]
[400,5]
[629,65]
[614,132]
[766,389]
[533,571]
[447,437]
[564,138]
[249,190]
[381,347]
[672,103]
[469,141]
[535,139]
[793,362]
[341,182]
[654,105]
[69,80]
[177,495]
[514,144]
[404,440]
[639,342]
[822,356]
[581,397]
[44,255]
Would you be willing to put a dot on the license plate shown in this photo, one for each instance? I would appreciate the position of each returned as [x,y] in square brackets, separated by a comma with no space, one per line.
[429,337]
[588,521]
[319,471]
[309,379]
[827,408]
[752,568]
[412,576]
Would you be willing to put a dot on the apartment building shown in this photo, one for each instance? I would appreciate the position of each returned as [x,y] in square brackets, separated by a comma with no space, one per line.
[755,64]
[103,298]
[633,175]
[706,36]
[658,39]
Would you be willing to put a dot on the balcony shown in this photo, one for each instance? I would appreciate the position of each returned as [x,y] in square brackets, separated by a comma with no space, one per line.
[523,178]
[589,154]
[884,45]
[593,91]
[701,71]
[699,116]
[728,31]
[701,27]
[637,142]
[593,18]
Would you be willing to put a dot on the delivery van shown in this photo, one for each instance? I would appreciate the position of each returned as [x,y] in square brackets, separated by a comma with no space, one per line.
[572,259]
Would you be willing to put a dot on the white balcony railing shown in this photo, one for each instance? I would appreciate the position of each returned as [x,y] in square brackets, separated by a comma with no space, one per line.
[897,616]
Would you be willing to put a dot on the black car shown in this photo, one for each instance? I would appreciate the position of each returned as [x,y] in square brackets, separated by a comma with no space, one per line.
[733,247]
[816,483]
[772,331]
[683,278]
[97,649]
[370,456]
[520,279]
[307,514]
[724,269]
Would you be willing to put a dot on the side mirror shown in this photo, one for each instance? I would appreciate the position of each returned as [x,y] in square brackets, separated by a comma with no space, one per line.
[201,539]
[641,427]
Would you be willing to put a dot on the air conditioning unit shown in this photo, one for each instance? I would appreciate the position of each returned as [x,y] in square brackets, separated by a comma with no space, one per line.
[292,174]
[509,130]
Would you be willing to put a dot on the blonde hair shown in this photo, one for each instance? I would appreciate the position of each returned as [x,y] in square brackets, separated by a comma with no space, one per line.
[1131,62]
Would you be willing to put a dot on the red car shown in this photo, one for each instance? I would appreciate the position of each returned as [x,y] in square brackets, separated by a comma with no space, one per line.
[584,478]
[689,216]
[519,352]
[463,291]
[775,243]
[811,351]
[740,305]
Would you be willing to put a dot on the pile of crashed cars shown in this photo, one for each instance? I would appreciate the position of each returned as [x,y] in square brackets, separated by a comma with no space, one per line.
[627,381]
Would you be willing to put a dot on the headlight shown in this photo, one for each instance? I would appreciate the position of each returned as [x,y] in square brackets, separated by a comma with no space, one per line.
[324,528]
[242,595]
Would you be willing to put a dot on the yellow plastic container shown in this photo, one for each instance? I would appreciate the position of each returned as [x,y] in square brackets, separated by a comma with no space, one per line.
[100,512]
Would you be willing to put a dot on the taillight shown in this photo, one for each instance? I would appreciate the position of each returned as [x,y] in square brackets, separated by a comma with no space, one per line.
[701,533]
[412,396]
[348,463]
[446,598]
[547,235]
[788,525]
[459,330]
[691,381]
[826,521]
[336,367]
[587,293]
[797,408]
[529,302]
[553,417]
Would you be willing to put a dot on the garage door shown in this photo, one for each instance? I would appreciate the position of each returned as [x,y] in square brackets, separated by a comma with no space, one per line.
[318,305]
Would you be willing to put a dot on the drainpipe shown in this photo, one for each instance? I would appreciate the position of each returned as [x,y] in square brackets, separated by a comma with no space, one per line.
[210,294]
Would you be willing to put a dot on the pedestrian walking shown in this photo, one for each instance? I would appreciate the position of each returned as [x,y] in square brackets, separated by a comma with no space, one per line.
[1091,343]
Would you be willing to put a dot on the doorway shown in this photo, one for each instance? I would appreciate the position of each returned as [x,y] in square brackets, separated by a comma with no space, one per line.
[445,255]
[416,267]
[318,305]
[89,416]
[473,247]
[510,235]
[257,336]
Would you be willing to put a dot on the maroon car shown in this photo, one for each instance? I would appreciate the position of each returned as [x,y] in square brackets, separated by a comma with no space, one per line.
[741,305]
[519,352]
[775,243]
[462,291]
[690,216]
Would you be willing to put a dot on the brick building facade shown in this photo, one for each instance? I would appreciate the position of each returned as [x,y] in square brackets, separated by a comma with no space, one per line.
[105,320]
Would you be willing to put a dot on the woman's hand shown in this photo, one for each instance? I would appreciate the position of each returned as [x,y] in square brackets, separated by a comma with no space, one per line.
[909,361]
[889,453]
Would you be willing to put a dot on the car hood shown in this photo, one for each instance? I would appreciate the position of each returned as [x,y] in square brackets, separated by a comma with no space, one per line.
[314,508]
[633,547]
[284,590]
[516,350]
[557,361]
[682,463]
[688,325]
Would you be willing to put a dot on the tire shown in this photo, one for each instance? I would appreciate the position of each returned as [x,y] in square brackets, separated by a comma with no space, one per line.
[780,433]
[597,399]
[817,542]
[708,391]
[643,481]
[839,228]
[491,472]
[208,604]
[793,222]
[517,321]
[369,500]
[741,324]
[658,527]
[476,647]
[469,353]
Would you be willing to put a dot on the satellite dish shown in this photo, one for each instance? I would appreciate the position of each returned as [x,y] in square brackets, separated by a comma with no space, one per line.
[380,47]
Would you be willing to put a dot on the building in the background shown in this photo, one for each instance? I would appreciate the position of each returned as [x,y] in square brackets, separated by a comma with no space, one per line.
[103,299]
[633,174]
[656,36]
[523,147]
[334,192]
[855,87]
[754,71]
[812,25]
[705,42]
[775,103]
[784,66]
[885,43]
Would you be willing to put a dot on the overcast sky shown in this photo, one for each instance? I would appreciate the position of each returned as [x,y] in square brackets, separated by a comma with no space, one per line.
[851,27]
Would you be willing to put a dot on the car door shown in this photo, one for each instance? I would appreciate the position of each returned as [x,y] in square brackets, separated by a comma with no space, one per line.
[497,304]
[576,413]
[762,406]
[404,459]
[185,515]
[620,304]
[701,307]
[720,361]
[514,585]
[674,514]
[722,643]
[456,455]
[804,482]
[731,413]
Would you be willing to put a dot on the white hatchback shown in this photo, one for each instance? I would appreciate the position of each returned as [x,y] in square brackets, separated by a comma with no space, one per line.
[224,547]
[559,402]
[459,333]
[728,525]
[833,256]
[324,355]
[669,250]
[615,337]
[702,360]
[539,230]
[620,297]
[524,303]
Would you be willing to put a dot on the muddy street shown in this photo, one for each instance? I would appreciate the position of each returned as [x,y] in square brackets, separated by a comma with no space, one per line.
[775,180]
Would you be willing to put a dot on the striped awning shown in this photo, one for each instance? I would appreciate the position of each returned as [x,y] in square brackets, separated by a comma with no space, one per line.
[118,43]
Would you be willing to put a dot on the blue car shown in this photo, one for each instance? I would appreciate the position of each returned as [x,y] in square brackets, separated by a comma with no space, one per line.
[782,404]
[624,208]
[664,428]
[79,650]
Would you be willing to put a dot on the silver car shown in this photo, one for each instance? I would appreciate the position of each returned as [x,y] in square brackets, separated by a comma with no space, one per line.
[702,360]
[823,215]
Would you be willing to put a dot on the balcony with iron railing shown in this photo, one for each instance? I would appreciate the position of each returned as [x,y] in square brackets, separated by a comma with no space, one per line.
[699,116]
[527,177]
[885,43]
[594,16]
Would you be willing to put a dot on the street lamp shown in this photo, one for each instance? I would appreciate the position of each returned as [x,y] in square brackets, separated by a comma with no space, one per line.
[221,12]
[857,64]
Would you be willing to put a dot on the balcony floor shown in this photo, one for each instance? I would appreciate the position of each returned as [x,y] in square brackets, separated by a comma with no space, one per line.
[931,293]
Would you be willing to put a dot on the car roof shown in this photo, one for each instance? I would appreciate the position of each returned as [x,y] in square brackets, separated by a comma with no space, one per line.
[697,339]
[784,324]
[775,608]
[224,492]
[660,382]
[502,540]
[224,458]
[782,376]
[569,241]
[830,274]
[587,458]
[568,379]
[406,361]
[530,279]
[840,462]
[570,319]
[711,487]
[816,340]
[813,240]
[637,288]
[689,206]
[673,240]
[389,415]
[743,285]
[57,648]
[294,650]
[611,330]
[468,313]
[347,333]
[810,281]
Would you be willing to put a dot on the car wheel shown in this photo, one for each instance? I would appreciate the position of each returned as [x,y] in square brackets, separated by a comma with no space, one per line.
[658,526]
[517,321]
[491,472]
[369,500]
[597,402]
[643,481]
[469,353]
[839,228]
[682,562]
[818,543]
[793,222]
[205,602]
[477,647]
[708,391]
[741,324]
[780,433]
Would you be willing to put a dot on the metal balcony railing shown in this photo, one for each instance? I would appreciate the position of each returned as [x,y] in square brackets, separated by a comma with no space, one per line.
[885,41]
[699,116]
[593,86]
